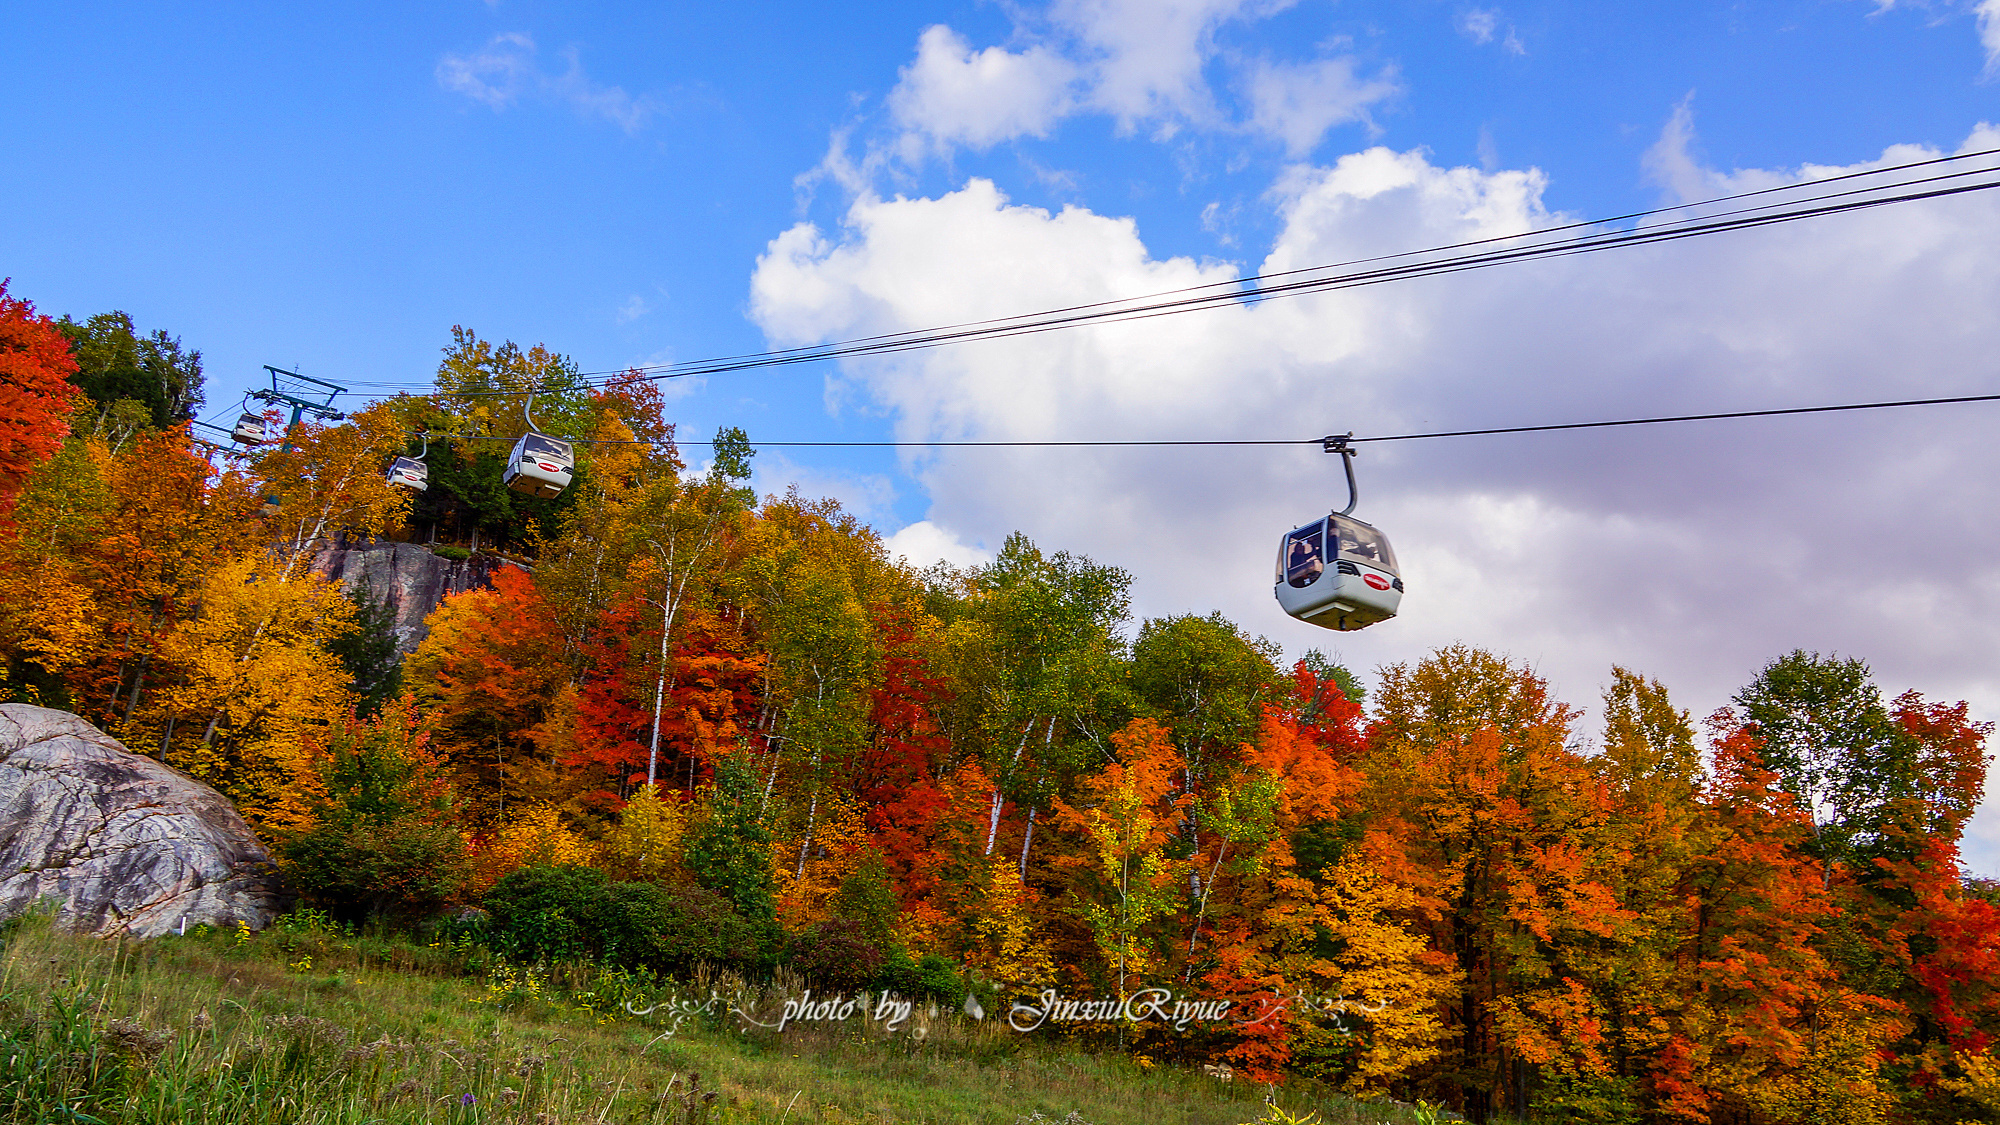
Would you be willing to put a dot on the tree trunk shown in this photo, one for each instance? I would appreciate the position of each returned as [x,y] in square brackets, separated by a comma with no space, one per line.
[659,696]
[138,684]
[805,843]
[1027,838]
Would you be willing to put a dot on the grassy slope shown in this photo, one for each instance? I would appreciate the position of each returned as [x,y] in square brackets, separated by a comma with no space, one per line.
[308,1028]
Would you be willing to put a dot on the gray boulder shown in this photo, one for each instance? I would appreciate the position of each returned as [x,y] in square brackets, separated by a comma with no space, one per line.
[125,844]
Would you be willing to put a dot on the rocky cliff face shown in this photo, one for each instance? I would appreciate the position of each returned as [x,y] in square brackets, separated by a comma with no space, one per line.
[407,577]
[125,844]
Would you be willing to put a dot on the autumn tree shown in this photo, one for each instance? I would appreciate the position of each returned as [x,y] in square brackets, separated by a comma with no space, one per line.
[584,551]
[1039,664]
[383,841]
[35,395]
[491,674]
[1208,683]
[1480,803]
[1206,680]
[1653,837]
[811,572]
[255,684]
[1313,935]
[899,776]
[675,531]
[1127,813]
[648,838]
[1768,1027]
[117,549]
[324,482]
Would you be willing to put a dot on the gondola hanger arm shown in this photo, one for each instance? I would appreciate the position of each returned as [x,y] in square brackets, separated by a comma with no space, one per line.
[1343,445]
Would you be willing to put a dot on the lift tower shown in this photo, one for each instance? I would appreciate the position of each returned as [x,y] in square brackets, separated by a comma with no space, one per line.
[304,394]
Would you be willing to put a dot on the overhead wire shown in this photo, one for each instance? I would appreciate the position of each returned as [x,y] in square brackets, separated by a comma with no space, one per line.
[1256,288]
[1349,438]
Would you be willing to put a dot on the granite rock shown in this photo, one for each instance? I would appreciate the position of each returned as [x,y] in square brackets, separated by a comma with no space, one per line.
[407,578]
[124,844]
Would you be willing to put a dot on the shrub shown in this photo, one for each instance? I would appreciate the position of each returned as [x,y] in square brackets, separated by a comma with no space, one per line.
[383,843]
[937,978]
[455,554]
[570,913]
[932,978]
[837,955]
[669,930]
[548,912]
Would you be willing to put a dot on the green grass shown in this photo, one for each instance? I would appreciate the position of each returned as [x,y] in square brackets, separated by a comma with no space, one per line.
[309,1025]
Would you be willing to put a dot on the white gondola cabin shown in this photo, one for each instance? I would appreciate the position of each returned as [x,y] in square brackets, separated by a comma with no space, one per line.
[250,430]
[410,473]
[540,466]
[1338,573]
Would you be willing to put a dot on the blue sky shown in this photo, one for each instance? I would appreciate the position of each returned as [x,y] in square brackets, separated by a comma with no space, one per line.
[662,182]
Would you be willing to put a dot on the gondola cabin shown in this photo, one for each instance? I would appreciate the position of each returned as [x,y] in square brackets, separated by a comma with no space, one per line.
[540,466]
[249,429]
[1338,573]
[410,473]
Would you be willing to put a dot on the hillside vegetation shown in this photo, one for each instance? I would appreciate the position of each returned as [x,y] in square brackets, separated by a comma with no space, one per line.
[308,1025]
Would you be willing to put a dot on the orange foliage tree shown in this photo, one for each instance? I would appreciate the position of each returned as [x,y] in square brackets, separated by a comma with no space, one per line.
[1479,803]
[491,674]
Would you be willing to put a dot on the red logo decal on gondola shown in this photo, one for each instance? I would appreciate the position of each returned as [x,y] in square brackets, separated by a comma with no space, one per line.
[1376,580]
[548,468]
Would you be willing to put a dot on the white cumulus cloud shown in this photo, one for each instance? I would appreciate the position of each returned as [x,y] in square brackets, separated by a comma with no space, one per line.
[1147,56]
[956,95]
[924,543]
[1146,64]
[1298,103]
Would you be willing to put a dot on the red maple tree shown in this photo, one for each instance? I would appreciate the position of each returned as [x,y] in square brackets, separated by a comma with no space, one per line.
[36,397]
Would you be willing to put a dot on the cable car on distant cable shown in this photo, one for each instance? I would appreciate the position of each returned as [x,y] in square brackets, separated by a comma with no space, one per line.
[540,465]
[249,429]
[412,472]
[1338,572]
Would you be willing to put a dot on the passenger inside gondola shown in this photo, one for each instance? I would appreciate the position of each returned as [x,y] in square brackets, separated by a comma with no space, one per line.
[1302,561]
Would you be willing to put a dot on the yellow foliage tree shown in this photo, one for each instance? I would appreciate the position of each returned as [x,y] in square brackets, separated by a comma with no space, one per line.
[646,841]
[1838,1078]
[809,869]
[1384,979]
[1004,944]
[531,836]
[1130,811]
[252,681]
[327,480]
